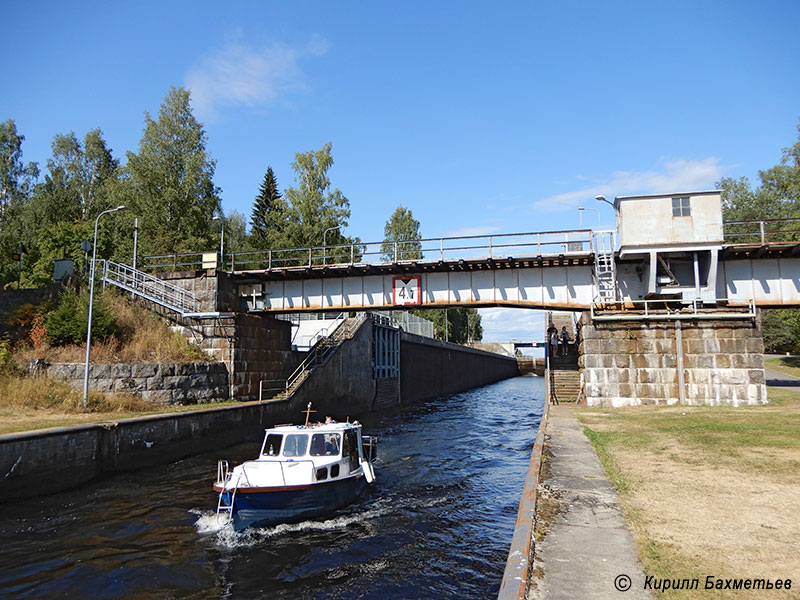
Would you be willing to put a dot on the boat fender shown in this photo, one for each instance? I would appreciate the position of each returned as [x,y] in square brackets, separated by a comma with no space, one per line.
[369,472]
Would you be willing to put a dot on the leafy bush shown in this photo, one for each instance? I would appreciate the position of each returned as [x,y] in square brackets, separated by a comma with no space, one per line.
[67,323]
[7,365]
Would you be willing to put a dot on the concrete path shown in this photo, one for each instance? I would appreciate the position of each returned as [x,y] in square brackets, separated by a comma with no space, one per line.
[775,379]
[588,551]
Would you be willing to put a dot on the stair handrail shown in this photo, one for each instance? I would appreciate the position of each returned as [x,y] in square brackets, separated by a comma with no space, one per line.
[147,286]
[320,351]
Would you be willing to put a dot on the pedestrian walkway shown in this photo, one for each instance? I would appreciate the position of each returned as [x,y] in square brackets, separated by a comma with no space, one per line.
[775,379]
[588,551]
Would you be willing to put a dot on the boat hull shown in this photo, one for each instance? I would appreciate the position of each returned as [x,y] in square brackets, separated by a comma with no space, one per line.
[271,506]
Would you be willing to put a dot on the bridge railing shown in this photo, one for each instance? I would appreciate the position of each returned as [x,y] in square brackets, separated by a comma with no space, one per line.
[672,310]
[474,247]
[764,231]
[470,247]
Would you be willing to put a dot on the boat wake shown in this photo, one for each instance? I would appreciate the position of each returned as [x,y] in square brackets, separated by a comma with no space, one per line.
[207,524]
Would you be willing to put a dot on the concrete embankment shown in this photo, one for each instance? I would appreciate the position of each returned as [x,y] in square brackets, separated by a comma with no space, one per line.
[587,550]
[431,368]
[49,461]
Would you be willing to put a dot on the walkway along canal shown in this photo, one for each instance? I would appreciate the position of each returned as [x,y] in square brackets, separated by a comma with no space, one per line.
[437,524]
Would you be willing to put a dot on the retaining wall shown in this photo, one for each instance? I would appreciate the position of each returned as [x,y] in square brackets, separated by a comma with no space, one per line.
[167,383]
[52,460]
[431,368]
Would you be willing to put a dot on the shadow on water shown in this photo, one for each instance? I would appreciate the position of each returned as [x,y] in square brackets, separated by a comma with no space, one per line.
[437,523]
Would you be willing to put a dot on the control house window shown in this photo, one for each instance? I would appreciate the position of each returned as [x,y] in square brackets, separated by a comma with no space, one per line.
[680,207]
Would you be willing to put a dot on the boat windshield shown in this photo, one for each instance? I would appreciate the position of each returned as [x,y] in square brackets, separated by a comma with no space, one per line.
[325,444]
[296,444]
[272,447]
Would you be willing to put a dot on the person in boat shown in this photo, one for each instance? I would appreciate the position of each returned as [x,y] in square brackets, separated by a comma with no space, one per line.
[332,446]
[329,420]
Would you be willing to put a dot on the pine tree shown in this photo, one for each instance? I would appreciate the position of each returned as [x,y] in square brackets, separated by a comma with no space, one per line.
[269,213]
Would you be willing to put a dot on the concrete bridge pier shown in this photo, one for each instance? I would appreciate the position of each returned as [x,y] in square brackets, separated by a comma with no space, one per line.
[669,360]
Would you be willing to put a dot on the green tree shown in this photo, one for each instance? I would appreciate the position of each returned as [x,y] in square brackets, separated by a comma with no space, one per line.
[67,323]
[17,223]
[169,183]
[235,232]
[16,178]
[777,196]
[268,219]
[401,237]
[313,206]
[457,325]
[75,188]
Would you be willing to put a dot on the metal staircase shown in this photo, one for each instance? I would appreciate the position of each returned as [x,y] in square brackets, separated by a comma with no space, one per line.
[317,356]
[151,288]
[605,267]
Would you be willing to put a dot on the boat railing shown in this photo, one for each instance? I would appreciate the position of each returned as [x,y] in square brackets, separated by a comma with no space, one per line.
[370,444]
[222,472]
[297,462]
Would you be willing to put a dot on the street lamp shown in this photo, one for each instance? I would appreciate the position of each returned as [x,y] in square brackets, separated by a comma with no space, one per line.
[91,302]
[324,249]
[602,198]
[580,212]
[221,240]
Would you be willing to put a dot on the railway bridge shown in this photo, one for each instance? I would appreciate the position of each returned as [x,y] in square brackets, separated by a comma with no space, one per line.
[670,299]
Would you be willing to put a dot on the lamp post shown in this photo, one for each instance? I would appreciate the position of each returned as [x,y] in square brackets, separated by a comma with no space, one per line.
[221,240]
[602,198]
[91,302]
[580,212]
[324,248]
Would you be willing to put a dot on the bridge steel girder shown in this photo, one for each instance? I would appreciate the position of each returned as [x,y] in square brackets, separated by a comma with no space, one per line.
[770,282]
[542,287]
[768,275]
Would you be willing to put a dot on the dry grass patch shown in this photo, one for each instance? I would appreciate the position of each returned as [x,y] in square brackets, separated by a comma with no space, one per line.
[27,404]
[708,490]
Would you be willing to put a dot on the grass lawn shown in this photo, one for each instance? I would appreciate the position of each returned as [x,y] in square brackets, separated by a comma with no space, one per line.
[708,490]
[15,419]
[788,365]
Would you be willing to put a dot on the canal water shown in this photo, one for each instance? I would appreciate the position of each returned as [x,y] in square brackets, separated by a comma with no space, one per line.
[437,523]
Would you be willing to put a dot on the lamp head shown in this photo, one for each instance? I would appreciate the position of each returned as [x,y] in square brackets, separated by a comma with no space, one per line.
[601,198]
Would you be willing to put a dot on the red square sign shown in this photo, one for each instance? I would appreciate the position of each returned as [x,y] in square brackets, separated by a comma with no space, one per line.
[406,290]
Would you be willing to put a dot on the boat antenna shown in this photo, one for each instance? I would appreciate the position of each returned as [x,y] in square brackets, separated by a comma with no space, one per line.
[308,412]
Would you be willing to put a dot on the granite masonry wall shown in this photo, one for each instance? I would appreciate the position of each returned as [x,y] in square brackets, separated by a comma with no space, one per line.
[165,383]
[628,363]
[254,347]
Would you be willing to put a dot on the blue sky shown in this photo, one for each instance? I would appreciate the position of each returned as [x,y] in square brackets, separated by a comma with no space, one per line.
[480,117]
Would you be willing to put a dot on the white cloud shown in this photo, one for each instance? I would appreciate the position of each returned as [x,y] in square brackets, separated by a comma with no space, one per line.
[677,175]
[239,75]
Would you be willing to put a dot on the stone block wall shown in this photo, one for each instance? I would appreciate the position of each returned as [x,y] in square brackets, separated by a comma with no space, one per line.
[636,362]
[167,383]
[254,347]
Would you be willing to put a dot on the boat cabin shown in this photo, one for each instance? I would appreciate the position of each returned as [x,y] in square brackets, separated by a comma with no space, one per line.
[332,448]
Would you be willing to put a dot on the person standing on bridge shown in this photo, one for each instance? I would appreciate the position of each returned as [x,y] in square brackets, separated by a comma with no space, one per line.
[564,348]
[552,337]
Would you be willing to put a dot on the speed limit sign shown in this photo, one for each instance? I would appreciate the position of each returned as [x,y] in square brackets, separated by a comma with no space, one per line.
[406,290]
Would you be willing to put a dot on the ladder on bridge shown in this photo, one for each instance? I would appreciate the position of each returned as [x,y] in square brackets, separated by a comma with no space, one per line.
[150,288]
[605,267]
